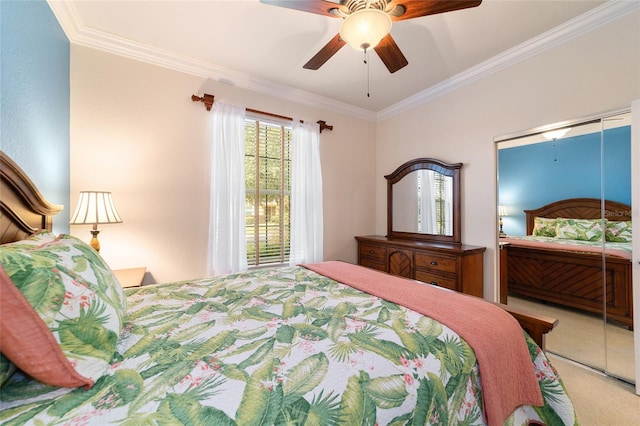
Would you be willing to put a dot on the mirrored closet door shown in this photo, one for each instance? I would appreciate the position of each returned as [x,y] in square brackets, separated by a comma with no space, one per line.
[616,184]
[564,195]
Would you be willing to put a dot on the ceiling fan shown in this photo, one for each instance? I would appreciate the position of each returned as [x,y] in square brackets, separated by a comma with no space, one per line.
[367,24]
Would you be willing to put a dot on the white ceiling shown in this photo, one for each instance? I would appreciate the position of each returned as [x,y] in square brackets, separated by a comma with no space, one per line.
[263,47]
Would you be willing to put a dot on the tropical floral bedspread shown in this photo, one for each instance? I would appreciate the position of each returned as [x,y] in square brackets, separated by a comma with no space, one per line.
[278,346]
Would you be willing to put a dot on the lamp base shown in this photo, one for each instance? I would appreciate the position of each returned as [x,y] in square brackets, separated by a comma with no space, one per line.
[94,240]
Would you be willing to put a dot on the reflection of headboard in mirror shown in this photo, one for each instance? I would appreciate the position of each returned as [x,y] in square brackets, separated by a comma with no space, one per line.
[23,209]
[579,208]
[411,214]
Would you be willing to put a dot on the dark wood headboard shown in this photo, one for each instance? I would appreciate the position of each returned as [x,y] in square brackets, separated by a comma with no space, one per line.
[23,209]
[579,208]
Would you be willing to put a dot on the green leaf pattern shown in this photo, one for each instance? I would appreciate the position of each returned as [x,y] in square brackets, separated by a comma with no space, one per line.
[589,230]
[277,346]
[544,227]
[618,231]
[580,229]
[7,368]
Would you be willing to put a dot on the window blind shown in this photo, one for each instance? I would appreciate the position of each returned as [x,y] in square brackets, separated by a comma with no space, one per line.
[268,189]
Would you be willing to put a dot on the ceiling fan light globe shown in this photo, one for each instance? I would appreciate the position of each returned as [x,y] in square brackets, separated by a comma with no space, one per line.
[556,134]
[365,28]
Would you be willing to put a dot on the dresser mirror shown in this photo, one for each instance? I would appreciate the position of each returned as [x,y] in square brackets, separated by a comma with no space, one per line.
[423,201]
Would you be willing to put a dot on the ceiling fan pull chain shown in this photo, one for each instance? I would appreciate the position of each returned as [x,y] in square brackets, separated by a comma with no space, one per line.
[366,61]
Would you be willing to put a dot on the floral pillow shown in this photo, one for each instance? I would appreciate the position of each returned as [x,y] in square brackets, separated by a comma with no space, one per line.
[544,227]
[76,300]
[579,229]
[618,231]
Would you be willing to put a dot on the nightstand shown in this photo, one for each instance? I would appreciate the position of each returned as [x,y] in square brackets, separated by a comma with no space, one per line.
[131,277]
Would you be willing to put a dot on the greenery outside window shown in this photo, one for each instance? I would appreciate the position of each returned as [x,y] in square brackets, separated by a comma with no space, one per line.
[268,191]
[442,204]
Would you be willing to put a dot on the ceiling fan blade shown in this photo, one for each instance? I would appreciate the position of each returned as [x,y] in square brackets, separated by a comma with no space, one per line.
[417,8]
[325,53]
[320,7]
[390,54]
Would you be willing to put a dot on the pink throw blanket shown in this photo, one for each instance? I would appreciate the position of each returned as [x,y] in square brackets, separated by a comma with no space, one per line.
[506,370]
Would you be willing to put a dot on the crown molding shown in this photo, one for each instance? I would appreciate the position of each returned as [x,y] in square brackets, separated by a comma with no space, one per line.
[78,34]
[589,21]
[67,17]
[81,35]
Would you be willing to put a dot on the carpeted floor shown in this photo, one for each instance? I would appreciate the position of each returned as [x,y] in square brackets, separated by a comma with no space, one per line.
[580,336]
[599,400]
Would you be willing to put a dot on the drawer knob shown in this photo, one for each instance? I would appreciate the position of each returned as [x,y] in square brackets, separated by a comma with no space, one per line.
[372,251]
[434,262]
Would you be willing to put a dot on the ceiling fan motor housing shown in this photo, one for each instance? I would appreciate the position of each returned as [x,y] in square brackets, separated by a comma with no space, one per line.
[352,6]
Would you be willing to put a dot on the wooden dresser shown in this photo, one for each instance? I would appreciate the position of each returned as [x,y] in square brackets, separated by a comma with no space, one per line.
[457,267]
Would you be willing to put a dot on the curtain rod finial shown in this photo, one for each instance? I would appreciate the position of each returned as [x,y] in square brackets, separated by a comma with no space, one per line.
[324,126]
[207,99]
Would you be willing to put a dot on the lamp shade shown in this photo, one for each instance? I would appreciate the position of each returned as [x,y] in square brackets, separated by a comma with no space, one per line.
[95,207]
[365,28]
[502,211]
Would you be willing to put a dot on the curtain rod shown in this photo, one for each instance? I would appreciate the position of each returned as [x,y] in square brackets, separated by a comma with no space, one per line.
[207,100]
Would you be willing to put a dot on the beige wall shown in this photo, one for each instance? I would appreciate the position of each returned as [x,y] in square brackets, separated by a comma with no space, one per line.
[594,73]
[136,132]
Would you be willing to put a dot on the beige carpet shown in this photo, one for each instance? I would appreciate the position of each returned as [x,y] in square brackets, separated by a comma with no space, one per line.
[580,336]
[598,400]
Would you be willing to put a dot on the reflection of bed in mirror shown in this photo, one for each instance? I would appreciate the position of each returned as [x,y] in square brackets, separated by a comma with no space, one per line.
[568,272]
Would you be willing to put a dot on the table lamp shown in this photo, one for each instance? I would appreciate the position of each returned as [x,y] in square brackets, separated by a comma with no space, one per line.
[95,207]
[502,211]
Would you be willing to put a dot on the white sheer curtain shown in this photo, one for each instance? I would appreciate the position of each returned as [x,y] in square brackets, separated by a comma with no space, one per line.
[227,239]
[427,202]
[306,195]
[447,198]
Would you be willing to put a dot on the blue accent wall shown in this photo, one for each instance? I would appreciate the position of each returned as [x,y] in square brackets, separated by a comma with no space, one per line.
[35,96]
[528,176]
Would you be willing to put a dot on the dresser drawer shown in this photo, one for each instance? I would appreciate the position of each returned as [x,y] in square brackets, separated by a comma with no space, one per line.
[372,253]
[373,265]
[439,280]
[436,262]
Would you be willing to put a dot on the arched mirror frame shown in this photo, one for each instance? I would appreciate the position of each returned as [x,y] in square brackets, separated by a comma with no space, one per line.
[441,167]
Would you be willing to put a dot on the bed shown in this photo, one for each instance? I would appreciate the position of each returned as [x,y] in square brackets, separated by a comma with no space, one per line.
[292,345]
[566,268]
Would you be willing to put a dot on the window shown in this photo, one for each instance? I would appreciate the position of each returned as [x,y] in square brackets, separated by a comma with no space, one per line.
[268,188]
[440,195]
[441,188]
